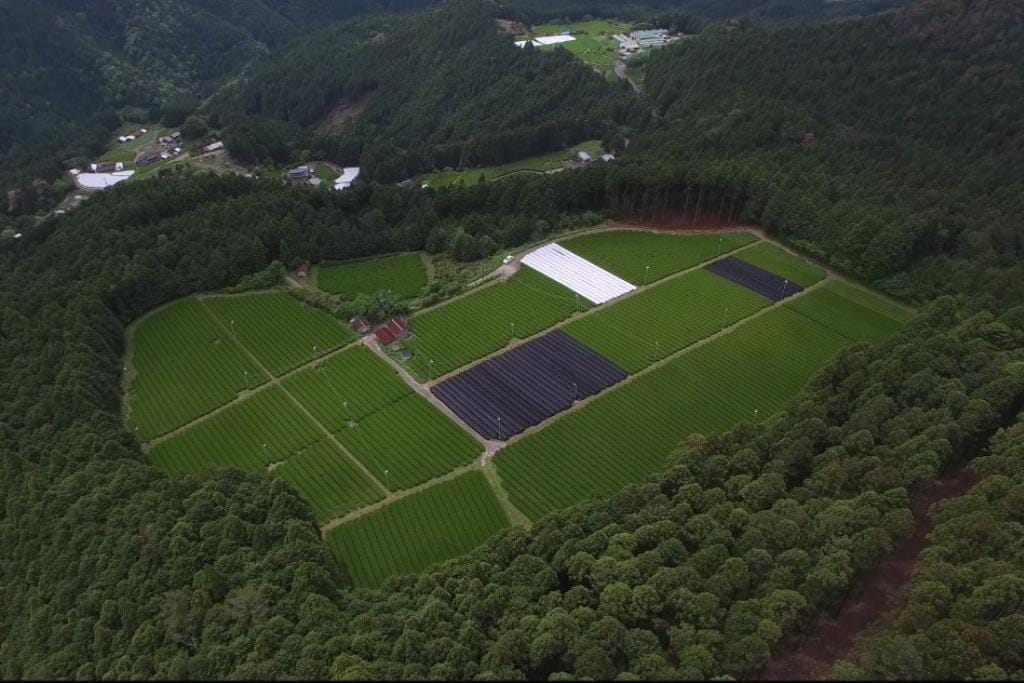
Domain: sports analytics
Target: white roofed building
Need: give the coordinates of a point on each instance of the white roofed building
(347, 177)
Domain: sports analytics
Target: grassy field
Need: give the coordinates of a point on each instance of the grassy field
(628, 253)
(594, 43)
(782, 263)
(645, 327)
(324, 172)
(481, 323)
(411, 440)
(627, 434)
(404, 275)
(329, 480)
(416, 532)
(277, 329)
(854, 313)
(183, 366)
(235, 437)
(537, 164)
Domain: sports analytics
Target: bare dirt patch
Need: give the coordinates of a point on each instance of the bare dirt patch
(833, 638)
(341, 116)
(682, 221)
(514, 27)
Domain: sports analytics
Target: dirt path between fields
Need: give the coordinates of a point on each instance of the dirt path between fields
(834, 638)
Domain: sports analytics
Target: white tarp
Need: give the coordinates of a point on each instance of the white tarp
(98, 181)
(347, 177)
(545, 40)
(577, 273)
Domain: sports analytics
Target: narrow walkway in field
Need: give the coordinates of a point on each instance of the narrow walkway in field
(298, 404)
(513, 513)
(331, 525)
(246, 393)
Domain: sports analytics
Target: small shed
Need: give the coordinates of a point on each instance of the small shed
(391, 331)
(359, 325)
(303, 269)
(584, 157)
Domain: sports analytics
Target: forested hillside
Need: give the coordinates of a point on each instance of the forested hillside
(63, 63)
(441, 88)
(963, 615)
(891, 146)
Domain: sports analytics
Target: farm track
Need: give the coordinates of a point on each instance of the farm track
(328, 527)
(309, 416)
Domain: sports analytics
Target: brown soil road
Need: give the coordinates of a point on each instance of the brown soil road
(833, 638)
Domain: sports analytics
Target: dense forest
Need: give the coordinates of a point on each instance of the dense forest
(889, 146)
(440, 88)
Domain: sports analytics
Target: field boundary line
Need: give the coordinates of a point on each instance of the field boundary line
(394, 496)
(309, 416)
(518, 341)
(665, 361)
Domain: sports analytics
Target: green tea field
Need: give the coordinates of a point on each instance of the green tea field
(645, 257)
(404, 275)
(418, 531)
(487, 320)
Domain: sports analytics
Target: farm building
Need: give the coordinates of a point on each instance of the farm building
(577, 273)
(99, 181)
(212, 147)
(303, 269)
(608, 157)
(300, 173)
(359, 325)
(541, 41)
(106, 167)
(584, 157)
(391, 331)
(652, 38)
(347, 177)
(149, 156)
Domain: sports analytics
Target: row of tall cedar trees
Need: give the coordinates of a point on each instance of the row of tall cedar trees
(114, 569)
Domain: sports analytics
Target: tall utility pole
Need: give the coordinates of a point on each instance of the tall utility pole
(499, 428)
(784, 289)
(647, 270)
(387, 479)
(725, 314)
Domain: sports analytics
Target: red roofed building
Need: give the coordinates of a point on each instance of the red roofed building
(303, 270)
(391, 331)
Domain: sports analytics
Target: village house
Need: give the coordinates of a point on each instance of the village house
(393, 330)
(300, 173)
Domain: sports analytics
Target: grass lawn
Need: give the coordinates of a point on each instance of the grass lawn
(324, 172)
(403, 274)
(538, 164)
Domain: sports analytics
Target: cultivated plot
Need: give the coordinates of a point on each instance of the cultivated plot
(782, 263)
(486, 321)
(278, 330)
(329, 480)
(577, 273)
(853, 313)
(421, 530)
(263, 429)
(645, 257)
(765, 283)
(403, 275)
(628, 433)
(646, 327)
(185, 366)
(408, 443)
(346, 387)
(524, 386)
